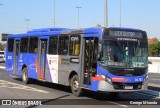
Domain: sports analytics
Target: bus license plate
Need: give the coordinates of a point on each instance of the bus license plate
(128, 87)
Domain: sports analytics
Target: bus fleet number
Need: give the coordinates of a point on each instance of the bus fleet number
(9, 57)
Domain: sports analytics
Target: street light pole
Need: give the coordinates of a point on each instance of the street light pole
(54, 13)
(27, 20)
(78, 15)
(105, 14)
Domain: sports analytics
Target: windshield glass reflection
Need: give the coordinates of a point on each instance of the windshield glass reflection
(124, 54)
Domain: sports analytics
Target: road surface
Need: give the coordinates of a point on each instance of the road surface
(61, 96)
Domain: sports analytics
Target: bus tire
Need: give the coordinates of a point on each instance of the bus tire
(75, 88)
(114, 94)
(25, 78)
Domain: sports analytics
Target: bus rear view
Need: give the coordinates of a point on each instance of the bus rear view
(123, 60)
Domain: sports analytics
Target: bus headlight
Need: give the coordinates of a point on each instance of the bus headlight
(106, 78)
(103, 76)
(109, 80)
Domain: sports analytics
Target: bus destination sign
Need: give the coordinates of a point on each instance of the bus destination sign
(130, 34)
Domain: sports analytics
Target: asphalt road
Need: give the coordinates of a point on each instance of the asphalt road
(61, 96)
(154, 78)
(154, 81)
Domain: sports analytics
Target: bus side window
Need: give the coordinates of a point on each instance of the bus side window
(53, 45)
(35, 50)
(63, 45)
(43, 47)
(24, 45)
(74, 45)
(33, 44)
(10, 44)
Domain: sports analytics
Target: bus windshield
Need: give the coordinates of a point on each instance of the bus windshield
(124, 54)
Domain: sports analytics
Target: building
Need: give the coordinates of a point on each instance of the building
(152, 40)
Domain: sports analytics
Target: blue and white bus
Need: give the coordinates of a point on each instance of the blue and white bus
(113, 60)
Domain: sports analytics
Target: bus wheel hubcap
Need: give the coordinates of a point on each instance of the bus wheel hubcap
(24, 76)
(75, 85)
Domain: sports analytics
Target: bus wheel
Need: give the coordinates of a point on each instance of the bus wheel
(114, 93)
(25, 78)
(76, 90)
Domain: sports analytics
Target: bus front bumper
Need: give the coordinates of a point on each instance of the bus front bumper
(105, 86)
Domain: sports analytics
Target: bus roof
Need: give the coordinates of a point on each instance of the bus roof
(57, 31)
(47, 30)
(98, 31)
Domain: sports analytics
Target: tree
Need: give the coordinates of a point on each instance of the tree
(154, 49)
(2, 47)
(98, 25)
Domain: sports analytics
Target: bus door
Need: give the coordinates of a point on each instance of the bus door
(89, 59)
(42, 58)
(16, 56)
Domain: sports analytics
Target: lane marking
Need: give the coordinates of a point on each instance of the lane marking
(13, 76)
(154, 85)
(8, 84)
(155, 79)
(118, 104)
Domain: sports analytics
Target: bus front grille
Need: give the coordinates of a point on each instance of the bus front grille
(123, 85)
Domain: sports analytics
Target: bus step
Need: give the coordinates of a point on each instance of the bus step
(42, 80)
(86, 88)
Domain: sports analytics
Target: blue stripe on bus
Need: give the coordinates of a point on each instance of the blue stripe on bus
(31, 61)
(131, 79)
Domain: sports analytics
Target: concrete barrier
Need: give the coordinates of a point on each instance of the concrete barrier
(155, 66)
(154, 59)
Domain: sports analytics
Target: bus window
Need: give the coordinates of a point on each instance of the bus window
(53, 44)
(74, 45)
(17, 47)
(63, 45)
(10, 45)
(33, 45)
(43, 47)
(24, 45)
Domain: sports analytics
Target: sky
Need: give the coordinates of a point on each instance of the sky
(141, 14)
